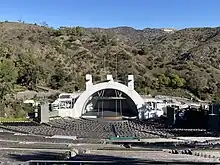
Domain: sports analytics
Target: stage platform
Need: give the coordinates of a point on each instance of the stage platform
(108, 115)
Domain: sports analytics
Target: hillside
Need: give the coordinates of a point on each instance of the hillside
(185, 61)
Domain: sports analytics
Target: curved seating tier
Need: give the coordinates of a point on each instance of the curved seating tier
(96, 128)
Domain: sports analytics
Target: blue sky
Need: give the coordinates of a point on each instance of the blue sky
(111, 13)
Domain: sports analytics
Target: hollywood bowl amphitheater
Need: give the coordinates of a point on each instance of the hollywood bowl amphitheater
(110, 122)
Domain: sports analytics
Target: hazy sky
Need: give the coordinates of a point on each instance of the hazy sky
(110, 13)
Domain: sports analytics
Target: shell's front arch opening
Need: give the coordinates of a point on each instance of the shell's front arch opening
(109, 103)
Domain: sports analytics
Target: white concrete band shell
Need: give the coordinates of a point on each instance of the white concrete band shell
(83, 98)
(125, 96)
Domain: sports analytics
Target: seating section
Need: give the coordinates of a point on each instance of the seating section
(190, 132)
(32, 128)
(99, 128)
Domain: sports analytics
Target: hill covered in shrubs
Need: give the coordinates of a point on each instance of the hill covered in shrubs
(182, 63)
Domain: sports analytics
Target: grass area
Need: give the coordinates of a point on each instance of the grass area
(2, 119)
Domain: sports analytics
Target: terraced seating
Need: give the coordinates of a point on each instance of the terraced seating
(189, 132)
(84, 128)
(32, 128)
(101, 129)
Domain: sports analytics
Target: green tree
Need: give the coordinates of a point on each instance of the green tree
(78, 31)
(196, 84)
(104, 40)
(176, 81)
(164, 80)
(8, 76)
(57, 79)
(28, 70)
